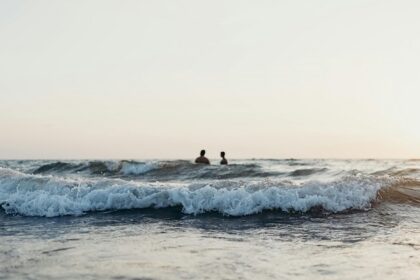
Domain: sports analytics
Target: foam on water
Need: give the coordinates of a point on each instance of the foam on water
(136, 168)
(49, 196)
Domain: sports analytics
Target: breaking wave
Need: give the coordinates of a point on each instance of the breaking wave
(49, 196)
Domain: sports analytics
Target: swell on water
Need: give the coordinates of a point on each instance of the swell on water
(124, 167)
(49, 196)
(159, 170)
(404, 191)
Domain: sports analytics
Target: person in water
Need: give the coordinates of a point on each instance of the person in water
(202, 158)
(223, 161)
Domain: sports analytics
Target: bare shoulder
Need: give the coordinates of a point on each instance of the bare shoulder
(202, 160)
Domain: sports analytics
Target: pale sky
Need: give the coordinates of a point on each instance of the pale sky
(163, 79)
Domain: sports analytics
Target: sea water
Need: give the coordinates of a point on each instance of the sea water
(252, 219)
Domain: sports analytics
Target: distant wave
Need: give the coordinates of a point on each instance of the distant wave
(307, 172)
(50, 196)
(159, 170)
(405, 172)
(186, 170)
(397, 172)
(96, 167)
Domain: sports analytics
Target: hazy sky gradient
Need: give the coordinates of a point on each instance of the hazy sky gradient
(163, 79)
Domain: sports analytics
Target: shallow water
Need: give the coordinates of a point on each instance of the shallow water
(265, 219)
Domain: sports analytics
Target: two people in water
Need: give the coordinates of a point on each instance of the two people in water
(202, 159)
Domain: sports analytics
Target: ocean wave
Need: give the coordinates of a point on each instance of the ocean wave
(56, 167)
(406, 172)
(307, 172)
(156, 170)
(125, 167)
(49, 196)
(394, 171)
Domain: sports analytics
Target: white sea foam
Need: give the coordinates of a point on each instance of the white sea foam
(129, 168)
(36, 195)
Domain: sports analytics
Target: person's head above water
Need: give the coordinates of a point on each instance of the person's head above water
(202, 158)
(224, 161)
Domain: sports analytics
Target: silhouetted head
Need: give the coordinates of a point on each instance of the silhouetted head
(222, 154)
(202, 153)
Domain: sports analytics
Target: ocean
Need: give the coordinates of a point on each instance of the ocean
(172, 219)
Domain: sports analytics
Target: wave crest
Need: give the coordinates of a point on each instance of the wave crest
(39, 195)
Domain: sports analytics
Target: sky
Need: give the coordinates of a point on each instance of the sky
(164, 79)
